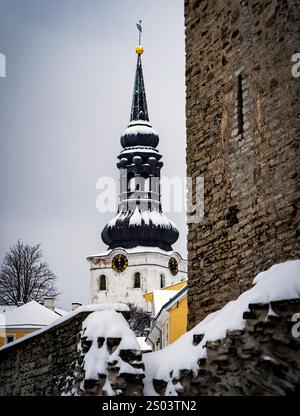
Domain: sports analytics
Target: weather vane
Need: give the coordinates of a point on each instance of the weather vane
(139, 49)
(140, 29)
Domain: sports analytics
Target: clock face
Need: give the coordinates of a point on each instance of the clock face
(119, 263)
(173, 266)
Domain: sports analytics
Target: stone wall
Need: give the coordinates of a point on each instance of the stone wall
(262, 359)
(37, 366)
(243, 117)
(51, 364)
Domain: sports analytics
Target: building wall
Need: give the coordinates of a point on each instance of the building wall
(38, 365)
(242, 110)
(120, 285)
(176, 286)
(17, 333)
(50, 363)
(171, 320)
(178, 320)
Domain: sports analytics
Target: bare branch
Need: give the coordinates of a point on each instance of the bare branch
(24, 276)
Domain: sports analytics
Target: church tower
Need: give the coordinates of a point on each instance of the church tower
(140, 257)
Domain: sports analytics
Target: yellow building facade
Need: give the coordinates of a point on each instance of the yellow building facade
(18, 321)
(169, 314)
(12, 334)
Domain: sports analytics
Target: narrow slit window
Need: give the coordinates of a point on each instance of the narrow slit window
(240, 105)
(102, 282)
(137, 280)
(162, 281)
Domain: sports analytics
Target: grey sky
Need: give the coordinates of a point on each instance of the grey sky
(63, 106)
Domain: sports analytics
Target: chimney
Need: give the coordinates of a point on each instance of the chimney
(49, 303)
(75, 305)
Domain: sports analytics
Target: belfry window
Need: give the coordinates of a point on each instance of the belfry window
(102, 282)
(137, 280)
(162, 281)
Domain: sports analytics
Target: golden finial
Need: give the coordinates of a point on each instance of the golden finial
(139, 49)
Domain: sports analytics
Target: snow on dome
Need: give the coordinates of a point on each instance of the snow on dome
(139, 149)
(156, 218)
(113, 221)
(136, 218)
(135, 250)
(145, 217)
(140, 129)
(139, 133)
(160, 219)
(280, 282)
(140, 122)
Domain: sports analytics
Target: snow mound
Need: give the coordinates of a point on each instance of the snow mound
(103, 325)
(280, 282)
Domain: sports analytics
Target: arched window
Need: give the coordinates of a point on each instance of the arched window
(137, 280)
(102, 282)
(162, 281)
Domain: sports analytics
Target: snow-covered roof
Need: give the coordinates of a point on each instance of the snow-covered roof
(29, 315)
(138, 249)
(280, 282)
(143, 344)
(6, 308)
(119, 307)
(60, 312)
(181, 293)
(160, 298)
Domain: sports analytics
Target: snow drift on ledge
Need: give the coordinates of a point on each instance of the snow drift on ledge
(280, 282)
(104, 324)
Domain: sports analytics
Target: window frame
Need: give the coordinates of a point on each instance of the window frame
(134, 280)
(162, 281)
(101, 281)
(10, 335)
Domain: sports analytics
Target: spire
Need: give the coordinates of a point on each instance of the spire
(140, 220)
(139, 110)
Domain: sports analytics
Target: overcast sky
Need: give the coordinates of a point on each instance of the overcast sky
(63, 106)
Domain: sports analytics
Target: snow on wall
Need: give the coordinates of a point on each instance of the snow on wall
(82, 309)
(109, 354)
(105, 336)
(280, 282)
(106, 324)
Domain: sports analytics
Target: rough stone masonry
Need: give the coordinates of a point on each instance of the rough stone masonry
(261, 359)
(243, 118)
(50, 363)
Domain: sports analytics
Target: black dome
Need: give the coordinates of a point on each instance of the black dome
(140, 228)
(139, 133)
